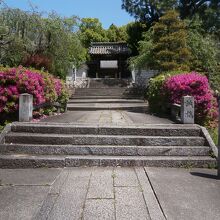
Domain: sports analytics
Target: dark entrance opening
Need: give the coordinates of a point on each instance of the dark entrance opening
(108, 60)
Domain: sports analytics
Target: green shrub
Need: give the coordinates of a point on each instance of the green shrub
(156, 97)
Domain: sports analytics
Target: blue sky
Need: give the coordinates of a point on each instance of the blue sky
(108, 11)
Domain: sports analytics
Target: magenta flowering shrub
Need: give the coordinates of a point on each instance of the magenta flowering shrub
(196, 85)
(43, 86)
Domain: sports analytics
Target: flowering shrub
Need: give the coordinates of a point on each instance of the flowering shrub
(43, 86)
(156, 97)
(195, 85)
(169, 88)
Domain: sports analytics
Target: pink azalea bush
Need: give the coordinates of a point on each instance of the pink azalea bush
(43, 86)
(196, 85)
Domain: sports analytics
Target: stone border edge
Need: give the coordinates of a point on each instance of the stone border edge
(6, 130)
(209, 140)
(153, 206)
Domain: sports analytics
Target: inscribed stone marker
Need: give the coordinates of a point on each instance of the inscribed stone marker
(187, 110)
(25, 107)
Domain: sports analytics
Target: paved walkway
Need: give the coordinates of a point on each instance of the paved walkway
(109, 193)
(107, 117)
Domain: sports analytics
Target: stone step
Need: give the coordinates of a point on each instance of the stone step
(33, 161)
(151, 161)
(101, 89)
(106, 101)
(104, 97)
(108, 83)
(104, 150)
(64, 139)
(16, 161)
(136, 107)
(145, 130)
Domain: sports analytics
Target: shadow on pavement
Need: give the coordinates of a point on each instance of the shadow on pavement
(204, 175)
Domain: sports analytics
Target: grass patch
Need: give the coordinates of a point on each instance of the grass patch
(214, 135)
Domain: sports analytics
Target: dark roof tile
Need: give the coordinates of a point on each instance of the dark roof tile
(109, 48)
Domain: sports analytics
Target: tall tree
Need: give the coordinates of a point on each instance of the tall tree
(165, 45)
(170, 43)
(135, 32)
(91, 30)
(116, 34)
(29, 38)
(147, 11)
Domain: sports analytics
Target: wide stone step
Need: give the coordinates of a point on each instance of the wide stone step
(104, 97)
(99, 92)
(108, 83)
(142, 107)
(35, 138)
(75, 101)
(33, 161)
(105, 150)
(16, 161)
(146, 130)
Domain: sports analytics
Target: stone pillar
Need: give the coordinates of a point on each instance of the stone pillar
(187, 110)
(25, 107)
(133, 74)
(219, 136)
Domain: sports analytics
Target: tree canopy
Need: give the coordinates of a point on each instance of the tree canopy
(149, 11)
(28, 38)
(165, 45)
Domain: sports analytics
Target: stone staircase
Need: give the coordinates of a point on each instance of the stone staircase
(107, 94)
(58, 145)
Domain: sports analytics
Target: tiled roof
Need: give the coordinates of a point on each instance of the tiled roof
(108, 48)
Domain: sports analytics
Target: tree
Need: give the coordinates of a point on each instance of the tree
(29, 38)
(205, 52)
(165, 45)
(116, 34)
(91, 31)
(170, 43)
(135, 32)
(149, 11)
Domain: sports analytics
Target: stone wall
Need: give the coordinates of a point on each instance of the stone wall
(142, 77)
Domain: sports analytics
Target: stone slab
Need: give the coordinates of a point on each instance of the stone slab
(42, 176)
(125, 177)
(101, 209)
(146, 118)
(101, 184)
(155, 211)
(187, 194)
(21, 202)
(52, 196)
(71, 200)
(130, 204)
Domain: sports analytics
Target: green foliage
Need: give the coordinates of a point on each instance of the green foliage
(135, 32)
(214, 134)
(205, 52)
(117, 34)
(169, 43)
(91, 31)
(144, 59)
(147, 11)
(165, 45)
(157, 99)
(27, 34)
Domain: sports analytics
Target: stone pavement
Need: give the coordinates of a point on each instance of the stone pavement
(107, 117)
(109, 193)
